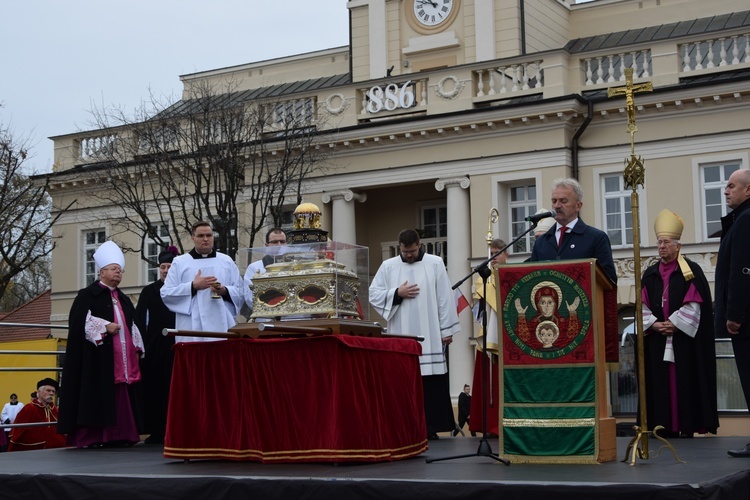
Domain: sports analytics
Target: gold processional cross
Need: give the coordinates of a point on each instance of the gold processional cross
(634, 175)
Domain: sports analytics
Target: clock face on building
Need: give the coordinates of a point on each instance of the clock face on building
(431, 16)
(432, 13)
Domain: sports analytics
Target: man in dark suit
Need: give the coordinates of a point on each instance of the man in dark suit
(732, 285)
(152, 317)
(571, 238)
(464, 410)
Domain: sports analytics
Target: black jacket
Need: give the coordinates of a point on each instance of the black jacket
(582, 242)
(732, 278)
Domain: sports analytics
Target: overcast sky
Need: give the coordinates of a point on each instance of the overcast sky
(60, 59)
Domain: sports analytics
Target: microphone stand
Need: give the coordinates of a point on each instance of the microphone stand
(483, 270)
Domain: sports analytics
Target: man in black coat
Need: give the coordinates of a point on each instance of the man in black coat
(99, 398)
(732, 285)
(152, 316)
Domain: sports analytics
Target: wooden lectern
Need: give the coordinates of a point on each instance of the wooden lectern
(553, 388)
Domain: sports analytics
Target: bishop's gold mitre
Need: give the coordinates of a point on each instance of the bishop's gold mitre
(668, 225)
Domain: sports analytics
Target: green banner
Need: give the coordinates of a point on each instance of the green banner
(549, 441)
(549, 385)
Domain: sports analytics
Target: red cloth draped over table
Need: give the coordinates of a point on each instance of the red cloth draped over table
(318, 399)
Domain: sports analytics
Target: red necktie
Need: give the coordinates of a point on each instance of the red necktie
(562, 235)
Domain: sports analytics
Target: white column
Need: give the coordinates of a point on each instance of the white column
(484, 23)
(378, 24)
(343, 224)
(459, 251)
(377, 27)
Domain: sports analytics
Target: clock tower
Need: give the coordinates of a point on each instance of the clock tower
(430, 16)
(415, 35)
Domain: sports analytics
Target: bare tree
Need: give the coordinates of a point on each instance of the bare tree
(27, 284)
(201, 158)
(26, 216)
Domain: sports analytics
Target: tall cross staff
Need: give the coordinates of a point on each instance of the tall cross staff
(634, 175)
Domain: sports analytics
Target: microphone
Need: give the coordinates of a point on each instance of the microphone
(537, 217)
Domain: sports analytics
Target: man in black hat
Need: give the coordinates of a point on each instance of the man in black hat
(41, 409)
(152, 316)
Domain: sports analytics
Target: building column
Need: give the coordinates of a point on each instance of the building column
(484, 24)
(343, 224)
(461, 362)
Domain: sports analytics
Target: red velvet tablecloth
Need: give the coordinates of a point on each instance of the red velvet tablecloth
(319, 399)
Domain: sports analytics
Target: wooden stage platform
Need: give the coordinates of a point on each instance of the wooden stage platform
(143, 473)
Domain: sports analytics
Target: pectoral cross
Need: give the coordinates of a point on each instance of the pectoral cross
(664, 296)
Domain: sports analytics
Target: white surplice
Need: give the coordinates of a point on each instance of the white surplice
(431, 314)
(200, 311)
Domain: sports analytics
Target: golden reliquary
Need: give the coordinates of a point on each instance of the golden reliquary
(317, 287)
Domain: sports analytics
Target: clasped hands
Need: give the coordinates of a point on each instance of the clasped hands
(664, 327)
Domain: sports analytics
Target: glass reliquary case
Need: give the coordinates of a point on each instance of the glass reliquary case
(310, 280)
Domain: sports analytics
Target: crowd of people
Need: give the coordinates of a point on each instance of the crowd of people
(112, 393)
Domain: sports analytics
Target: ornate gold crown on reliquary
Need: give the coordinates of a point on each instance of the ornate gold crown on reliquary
(307, 225)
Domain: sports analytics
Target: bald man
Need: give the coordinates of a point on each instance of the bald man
(732, 277)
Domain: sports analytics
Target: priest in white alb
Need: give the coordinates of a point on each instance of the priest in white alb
(413, 294)
(204, 287)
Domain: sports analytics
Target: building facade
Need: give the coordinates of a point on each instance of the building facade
(437, 113)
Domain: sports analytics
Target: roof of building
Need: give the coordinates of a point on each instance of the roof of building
(190, 106)
(660, 32)
(36, 311)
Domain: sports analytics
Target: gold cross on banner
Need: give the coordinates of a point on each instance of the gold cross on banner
(629, 89)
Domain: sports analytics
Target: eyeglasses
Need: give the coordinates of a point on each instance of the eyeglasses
(114, 269)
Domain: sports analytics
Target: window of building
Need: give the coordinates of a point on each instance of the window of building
(522, 203)
(285, 216)
(714, 177)
(91, 241)
(618, 216)
(153, 250)
(434, 226)
(435, 221)
(623, 382)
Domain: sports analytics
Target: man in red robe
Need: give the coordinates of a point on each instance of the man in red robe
(41, 409)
